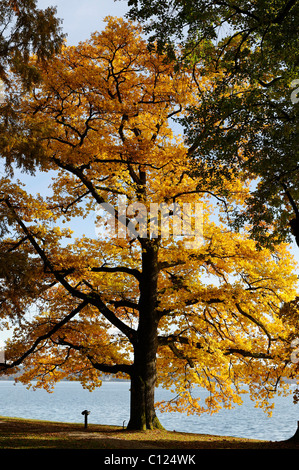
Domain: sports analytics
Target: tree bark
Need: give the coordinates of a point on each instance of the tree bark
(143, 377)
(295, 437)
(142, 407)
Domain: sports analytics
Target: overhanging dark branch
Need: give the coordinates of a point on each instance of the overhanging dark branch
(118, 269)
(92, 298)
(106, 368)
(52, 331)
(172, 340)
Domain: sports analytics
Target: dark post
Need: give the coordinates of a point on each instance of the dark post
(85, 413)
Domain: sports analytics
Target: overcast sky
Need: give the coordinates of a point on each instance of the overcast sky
(81, 18)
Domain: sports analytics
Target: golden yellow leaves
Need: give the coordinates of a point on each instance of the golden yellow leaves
(107, 109)
(222, 311)
(110, 99)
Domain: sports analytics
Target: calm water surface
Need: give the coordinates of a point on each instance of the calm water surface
(110, 405)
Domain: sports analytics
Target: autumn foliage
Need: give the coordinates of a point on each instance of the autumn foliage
(155, 310)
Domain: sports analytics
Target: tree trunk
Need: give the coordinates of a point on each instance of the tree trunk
(295, 437)
(142, 406)
(143, 377)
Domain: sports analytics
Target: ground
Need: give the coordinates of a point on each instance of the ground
(33, 434)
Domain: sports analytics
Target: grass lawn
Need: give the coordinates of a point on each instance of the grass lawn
(18, 433)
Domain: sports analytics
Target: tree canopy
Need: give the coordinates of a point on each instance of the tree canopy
(178, 309)
(269, 26)
(256, 42)
(26, 30)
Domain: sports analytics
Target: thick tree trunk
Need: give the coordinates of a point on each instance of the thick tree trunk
(142, 407)
(295, 437)
(143, 377)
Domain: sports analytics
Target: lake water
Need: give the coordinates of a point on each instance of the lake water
(110, 405)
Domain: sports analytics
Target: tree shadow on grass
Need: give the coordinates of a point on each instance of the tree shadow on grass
(33, 434)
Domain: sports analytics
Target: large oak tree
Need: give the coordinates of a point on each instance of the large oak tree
(156, 309)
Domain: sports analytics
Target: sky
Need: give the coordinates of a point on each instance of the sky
(80, 18)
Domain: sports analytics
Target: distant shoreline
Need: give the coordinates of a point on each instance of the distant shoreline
(12, 379)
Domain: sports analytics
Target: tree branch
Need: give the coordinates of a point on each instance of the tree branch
(171, 340)
(283, 13)
(239, 10)
(92, 298)
(110, 369)
(125, 303)
(291, 200)
(4, 366)
(119, 269)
